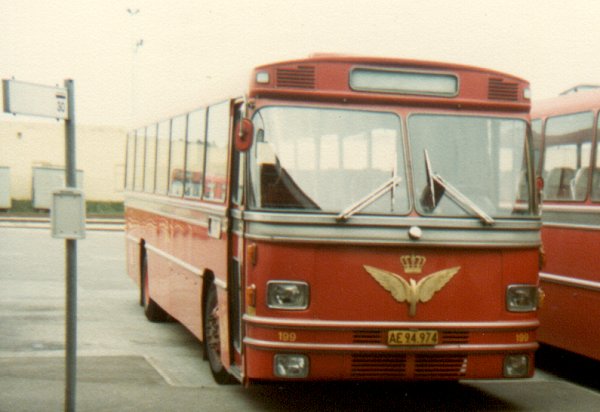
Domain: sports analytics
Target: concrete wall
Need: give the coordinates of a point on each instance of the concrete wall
(100, 154)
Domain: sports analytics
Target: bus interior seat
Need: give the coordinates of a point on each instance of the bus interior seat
(580, 183)
(558, 184)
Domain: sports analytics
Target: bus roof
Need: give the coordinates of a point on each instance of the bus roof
(391, 62)
(568, 103)
(330, 77)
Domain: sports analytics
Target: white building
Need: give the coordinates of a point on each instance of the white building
(29, 145)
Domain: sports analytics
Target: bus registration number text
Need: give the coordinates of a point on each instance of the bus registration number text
(412, 337)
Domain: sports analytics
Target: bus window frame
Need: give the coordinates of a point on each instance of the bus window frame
(174, 159)
(532, 204)
(202, 142)
(224, 167)
(159, 188)
(150, 163)
(591, 141)
(594, 184)
(398, 113)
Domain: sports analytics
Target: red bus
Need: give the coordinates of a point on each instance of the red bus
(350, 219)
(565, 131)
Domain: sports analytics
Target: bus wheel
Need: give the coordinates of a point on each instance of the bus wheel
(212, 338)
(153, 312)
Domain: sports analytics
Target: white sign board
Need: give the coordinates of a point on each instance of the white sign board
(35, 99)
(67, 215)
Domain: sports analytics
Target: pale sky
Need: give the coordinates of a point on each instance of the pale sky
(197, 52)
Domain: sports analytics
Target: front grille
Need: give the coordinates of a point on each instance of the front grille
(498, 89)
(440, 366)
(408, 366)
(382, 366)
(301, 77)
(454, 337)
(367, 336)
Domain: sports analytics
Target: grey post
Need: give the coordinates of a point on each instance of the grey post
(71, 259)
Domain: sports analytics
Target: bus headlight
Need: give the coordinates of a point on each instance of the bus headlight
(290, 366)
(288, 295)
(516, 366)
(521, 298)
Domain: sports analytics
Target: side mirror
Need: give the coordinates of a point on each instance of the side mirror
(244, 134)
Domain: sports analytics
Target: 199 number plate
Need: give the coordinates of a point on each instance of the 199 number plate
(412, 337)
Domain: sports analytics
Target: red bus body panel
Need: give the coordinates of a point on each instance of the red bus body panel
(570, 313)
(345, 327)
(570, 278)
(168, 240)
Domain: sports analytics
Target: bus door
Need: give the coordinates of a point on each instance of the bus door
(237, 247)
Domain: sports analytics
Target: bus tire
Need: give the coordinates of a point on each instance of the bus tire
(153, 312)
(143, 269)
(212, 338)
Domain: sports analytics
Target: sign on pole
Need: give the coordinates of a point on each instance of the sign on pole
(35, 99)
(68, 211)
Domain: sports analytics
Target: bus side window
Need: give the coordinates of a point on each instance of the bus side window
(150, 166)
(217, 145)
(596, 172)
(162, 157)
(237, 172)
(568, 144)
(177, 155)
(194, 167)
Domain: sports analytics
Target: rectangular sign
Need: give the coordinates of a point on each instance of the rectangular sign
(67, 215)
(35, 99)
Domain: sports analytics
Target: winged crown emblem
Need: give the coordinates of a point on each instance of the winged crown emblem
(411, 291)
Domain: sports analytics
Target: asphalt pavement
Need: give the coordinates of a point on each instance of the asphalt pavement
(126, 363)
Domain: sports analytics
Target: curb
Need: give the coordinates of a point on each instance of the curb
(92, 224)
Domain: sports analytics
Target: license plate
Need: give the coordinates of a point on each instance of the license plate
(412, 337)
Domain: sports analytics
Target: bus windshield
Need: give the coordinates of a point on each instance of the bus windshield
(327, 160)
(350, 161)
(466, 165)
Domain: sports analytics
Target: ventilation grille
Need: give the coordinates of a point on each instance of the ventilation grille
(440, 366)
(378, 337)
(399, 366)
(501, 90)
(454, 337)
(382, 366)
(302, 77)
(367, 336)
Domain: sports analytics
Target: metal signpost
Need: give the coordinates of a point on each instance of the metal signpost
(68, 207)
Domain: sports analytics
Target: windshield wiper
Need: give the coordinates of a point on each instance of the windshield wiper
(431, 195)
(368, 199)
